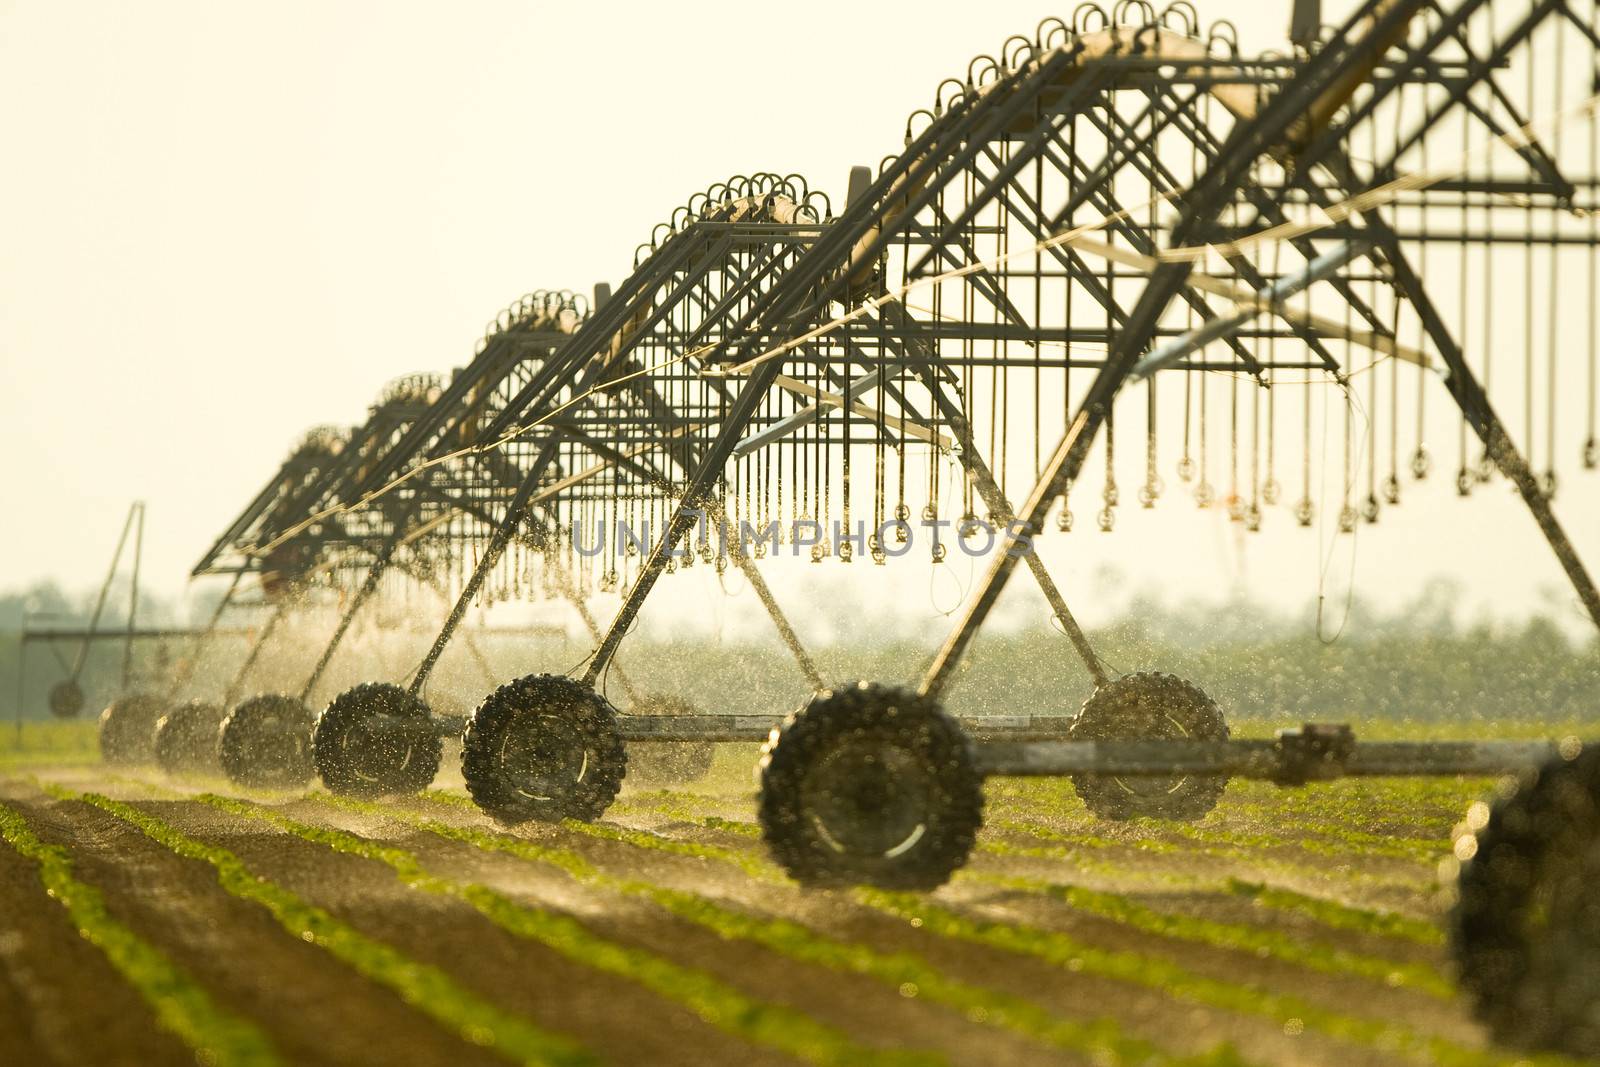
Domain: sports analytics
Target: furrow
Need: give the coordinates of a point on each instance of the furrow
(1100, 1039)
(181, 1006)
(1333, 914)
(1137, 969)
(1173, 980)
(716, 1002)
(424, 988)
(1260, 941)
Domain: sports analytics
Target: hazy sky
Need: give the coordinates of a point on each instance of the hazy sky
(223, 223)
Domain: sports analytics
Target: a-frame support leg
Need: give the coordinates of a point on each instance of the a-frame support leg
(235, 686)
(763, 592)
(476, 652)
(516, 511)
(696, 491)
(368, 587)
(570, 590)
(1064, 463)
(181, 678)
(896, 319)
(1000, 509)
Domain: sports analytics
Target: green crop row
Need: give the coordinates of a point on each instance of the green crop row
(690, 808)
(181, 1006)
(1083, 859)
(1259, 941)
(1101, 1040)
(1421, 881)
(1340, 916)
(694, 808)
(1336, 846)
(1168, 977)
(425, 988)
(1172, 980)
(1044, 800)
(712, 1000)
(1326, 810)
(1121, 909)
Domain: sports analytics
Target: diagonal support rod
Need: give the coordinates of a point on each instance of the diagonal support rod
(786, 631)
(236, 686)
(1474, 404)
(697, 489)
(903, 326)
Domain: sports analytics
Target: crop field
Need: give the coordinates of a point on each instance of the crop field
(696, 664)
(152, 920)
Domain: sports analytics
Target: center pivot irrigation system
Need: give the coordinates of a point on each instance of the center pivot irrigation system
(1118, 216)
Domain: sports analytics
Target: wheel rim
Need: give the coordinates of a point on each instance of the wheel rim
(540, 758)
(378, 747)
(869, 797)
(188, 734)
(281, 744)
(1157, 727)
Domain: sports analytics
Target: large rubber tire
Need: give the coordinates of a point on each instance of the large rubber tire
(128, 728)
(1149, 706)
(1525, 929)
(186, 738)
(266, 743)
(653, 764)
(870, 785)
(543, 747)
(375, 740)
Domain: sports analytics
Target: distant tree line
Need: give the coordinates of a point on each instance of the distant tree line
(1418, 663)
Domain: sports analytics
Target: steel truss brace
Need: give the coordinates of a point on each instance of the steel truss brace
(905, 330)
(471, 639)
(1463, 386)
(1474, 404)
(1272, 298)
(763, 592)
(570, 591)
(902, 424)
(374, 575)
(1304, 324)
(899, 325)
(584, 343)
(1382, 343)
(752, 573)
(697, 490)
(1267, 129)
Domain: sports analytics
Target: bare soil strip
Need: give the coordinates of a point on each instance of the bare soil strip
(427, 990)
(1432, 1032)
(911, 982)
(610, 1014)
(317, 1008)
(1287, 931)
(62, 1002)
(1103, 985)
(721, 1004)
